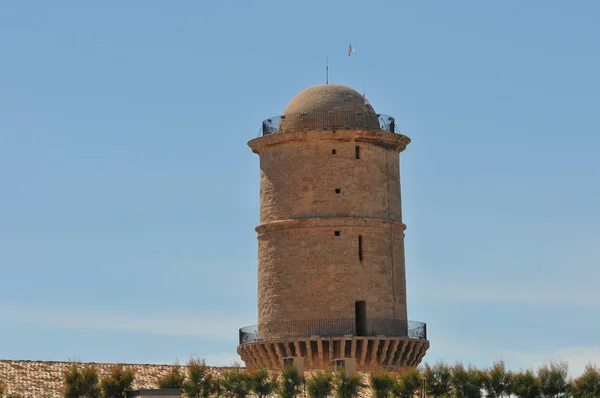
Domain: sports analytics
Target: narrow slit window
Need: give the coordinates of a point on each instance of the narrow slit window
(337, 233)
(357, 151)
(360, 248)
(337, 190)
(333, 152)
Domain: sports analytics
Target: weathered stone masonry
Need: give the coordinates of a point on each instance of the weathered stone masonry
(330, 234)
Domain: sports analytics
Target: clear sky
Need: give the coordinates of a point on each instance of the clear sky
(129, 196)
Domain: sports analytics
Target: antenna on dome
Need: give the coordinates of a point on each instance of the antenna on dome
(326, 69)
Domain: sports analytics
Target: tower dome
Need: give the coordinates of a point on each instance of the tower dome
(328, 97)
(328, 106)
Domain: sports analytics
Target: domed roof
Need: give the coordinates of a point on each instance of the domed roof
(328, 106)
(328, 97)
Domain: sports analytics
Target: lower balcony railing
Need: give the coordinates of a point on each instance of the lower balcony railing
(325, 328)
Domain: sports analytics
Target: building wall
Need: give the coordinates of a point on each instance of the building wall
(305, 271)
(298, 179)
(309, 273)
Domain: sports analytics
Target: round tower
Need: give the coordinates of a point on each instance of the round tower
(331, 271)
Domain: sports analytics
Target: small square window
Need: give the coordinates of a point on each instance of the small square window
(337, 190)
(337, 233)
(333, 152)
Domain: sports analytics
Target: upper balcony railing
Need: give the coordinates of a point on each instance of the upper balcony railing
(326, 328)
(331, 120)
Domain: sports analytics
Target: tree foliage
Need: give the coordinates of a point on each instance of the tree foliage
(466, 382)
(553, 379)
(117, 382)
(347, 386)
(291, 383)
(525, 385)
(81, 383)
(497, 381)
(261, 383)
(437, 379)
(200, 382)
(172, 379)
(382, 384)
(407, 384)
(320, 385)
(236, 383)
(588, 384)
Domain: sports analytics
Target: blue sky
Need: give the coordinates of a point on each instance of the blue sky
(129, 197)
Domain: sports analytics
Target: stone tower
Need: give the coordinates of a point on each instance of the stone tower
(331, 272)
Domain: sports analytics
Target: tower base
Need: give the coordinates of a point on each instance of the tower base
(392, 353)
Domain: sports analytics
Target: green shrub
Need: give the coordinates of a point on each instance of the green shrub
(235, 383)
(117, 382)
(466, 382)
(497, 381)
(407, 384)
(347, 386)
(588, 384)
(261, 384)
(173, 379)
(437, 379)
(200, 382)
(320, 385)
(291, 383)
(381, 383)
(553, 380)
(81, 383)
(525, 385)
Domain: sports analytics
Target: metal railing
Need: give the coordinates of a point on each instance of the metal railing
(326, 328)
(323, 120)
